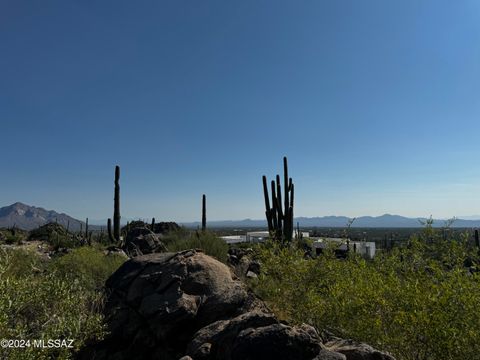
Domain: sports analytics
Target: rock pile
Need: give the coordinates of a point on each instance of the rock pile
(166, 227)
(141, 240)
(188, 305)
(244, 266)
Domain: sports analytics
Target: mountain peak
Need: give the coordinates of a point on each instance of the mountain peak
(18, 205)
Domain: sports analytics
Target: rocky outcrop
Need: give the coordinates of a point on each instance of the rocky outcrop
(188, 305)
(166, 227)
(141, 241)
(242, 263)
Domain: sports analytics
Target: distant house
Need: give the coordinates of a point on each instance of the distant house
(342, 246)
(234, 239)
(261, 236)
(255, 237)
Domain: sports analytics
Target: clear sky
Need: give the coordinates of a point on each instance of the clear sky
(375, 103)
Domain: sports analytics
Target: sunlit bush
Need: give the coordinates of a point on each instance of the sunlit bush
(88, 265)
(207, 241)
(418, 302)
(58, 299)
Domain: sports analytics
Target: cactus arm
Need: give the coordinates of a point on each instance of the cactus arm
(267, 204)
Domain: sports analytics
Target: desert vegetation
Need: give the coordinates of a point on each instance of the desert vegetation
(56, 299)
(419, 300)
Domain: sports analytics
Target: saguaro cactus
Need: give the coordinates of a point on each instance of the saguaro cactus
(109, 229)
(477, 242)
(153, 225)
(280, 220)
(204, 212)
(116, 210)
(86, 229)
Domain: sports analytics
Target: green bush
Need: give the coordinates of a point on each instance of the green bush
(419, 302)
(56, 235)
(61, 299)
(88, 265)
(207, 241)
(19, 263)
(12, 235)
(47, 307)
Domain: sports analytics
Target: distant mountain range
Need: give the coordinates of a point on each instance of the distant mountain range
(383, 221)
(30, 217)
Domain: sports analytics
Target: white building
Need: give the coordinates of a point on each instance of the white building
(261, 236)
(257, 236)
(234, 239)
(254, 237)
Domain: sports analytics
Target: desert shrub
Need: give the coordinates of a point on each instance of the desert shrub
(56, 235)
(88, 265)
(12, 235)
(58, 300)
(19, 263)
(418, 302)
(58, 240)
(207, 241)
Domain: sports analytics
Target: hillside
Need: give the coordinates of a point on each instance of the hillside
(30, 217)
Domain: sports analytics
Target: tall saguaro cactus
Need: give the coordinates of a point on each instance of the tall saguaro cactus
(477, 241)
(280, 220)
(204, 212)
(116, 210)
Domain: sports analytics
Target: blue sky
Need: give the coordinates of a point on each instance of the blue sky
(375, 103)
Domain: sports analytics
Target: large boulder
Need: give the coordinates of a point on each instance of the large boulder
(219, 336)
(158, 301)
(189, 305)
(258, 335)
(277, 341)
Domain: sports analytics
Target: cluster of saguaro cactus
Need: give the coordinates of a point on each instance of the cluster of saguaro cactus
(204, 212)
(115, 237)
(280, 221)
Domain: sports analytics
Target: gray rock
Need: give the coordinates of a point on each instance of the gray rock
(356, 351)
(277, 341)
(141, 240)
(158, 301)
(220, 335)
(329, 355)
